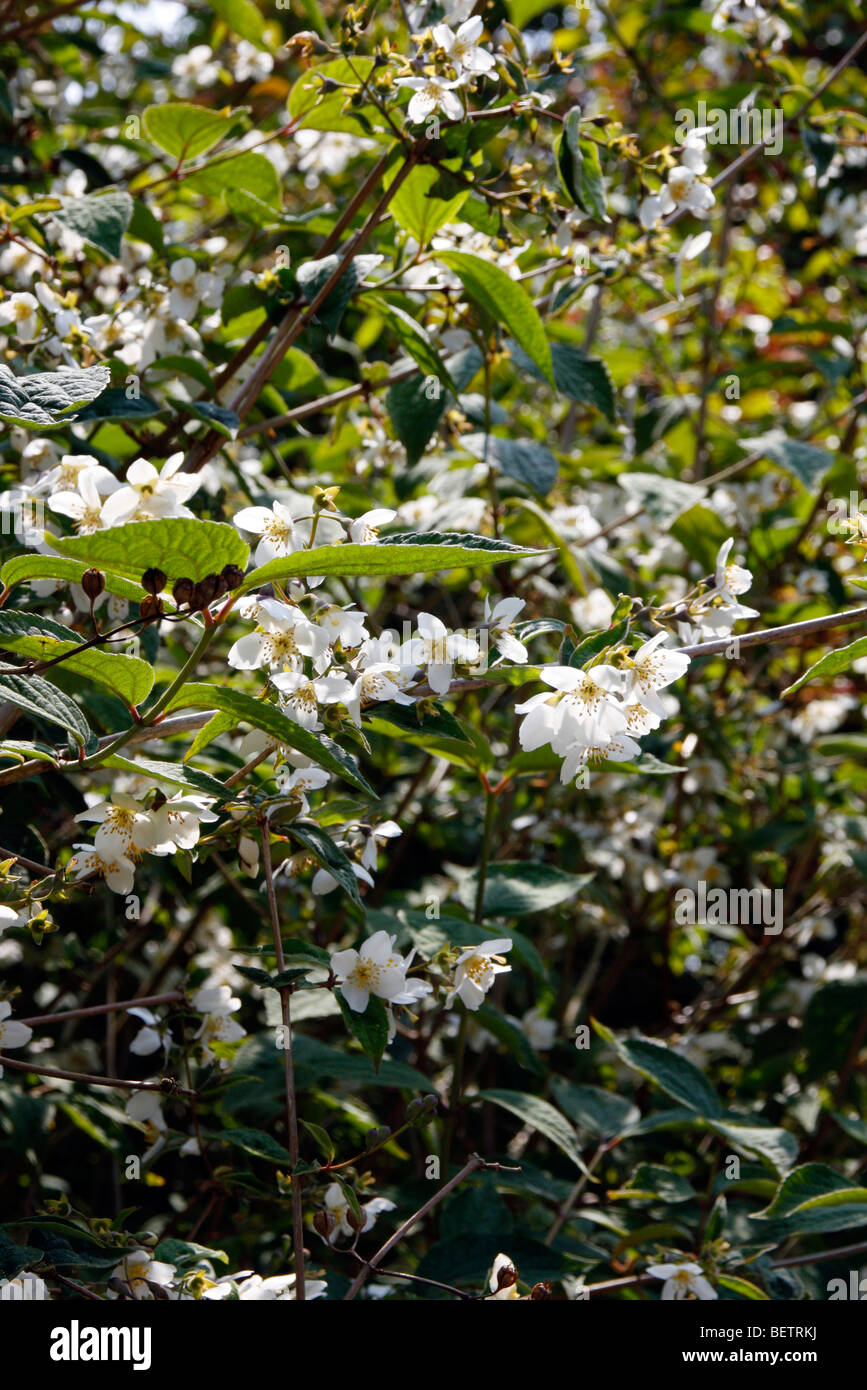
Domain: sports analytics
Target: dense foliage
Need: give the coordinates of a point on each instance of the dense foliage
(432, 763)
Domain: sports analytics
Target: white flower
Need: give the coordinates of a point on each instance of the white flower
(373, 685)
(324, 882)
(618, 749)
(302, 697)
(652, 668)
(197, 67)
(275, 525)
(146, 1108)
(681, 1280)
(284, 637)
(138, 1269)
(375, 969)
(339, 1210)
(582, 710)
(126, 829)
(365, 530)
(178, 821)
(462, 47)
(148, 1039)
(500, 619)
(251, 63)
(541, 1031)
(115, 868)
(84, 506)
(438, 649)
(216, 1004)
(387, 830)
(731, 580)
(150, 493)
(8, 918)
(22, 310)
(477, 968)
(432, 94)
(12, 1034)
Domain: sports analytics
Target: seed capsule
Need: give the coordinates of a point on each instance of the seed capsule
(182, 592)
(154, 581)
(150, 607)
(233, 576)
(93, 583)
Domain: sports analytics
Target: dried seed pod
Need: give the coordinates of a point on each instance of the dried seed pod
(93, 583)
(205, 591)
(233, 576)
(182, 592)
(507, 1275)
(153, 580)
(538, 1291)
(150, 607)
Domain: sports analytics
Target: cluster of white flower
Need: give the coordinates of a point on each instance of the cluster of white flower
(453, 59)
(713, 613)
(128, 830)
(740, 22)
(685, 190)
(845, 216)
(597, 713)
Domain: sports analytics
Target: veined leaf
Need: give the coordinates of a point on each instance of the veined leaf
(44, 400)
(410, 553)
(831, 664)
(39, 697)
(542, 1116)
(23, 567)
(182, 547)
(185, 130)
(506, 302)
(42, 639)
(248, 710)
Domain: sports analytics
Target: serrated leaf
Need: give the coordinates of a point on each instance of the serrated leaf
(506, 302)
(514, 888)
(23, 567)
(246, 173)
(100, 218)
(190, 778)
(185, 130)
(809, 1186)
(44, 400)
(39, 697)
(42, 639)
(580, 170)
(530, 463)
(247, 709)
(416, 210)
(412, 552)
(330, 856)
(114, 404)
(675, 1075)
(182, 547)
(664, 499)
(807, 462)
(257, 1143)
(542, 1116)
(831, 664)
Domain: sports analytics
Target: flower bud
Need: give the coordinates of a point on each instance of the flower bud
(323, 1223)
(153, 580)
(538, 1291)
(93, 583)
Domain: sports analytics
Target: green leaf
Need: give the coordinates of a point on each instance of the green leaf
(39, 697)
(370, 1028)
(185, 1252)
(23, 567)
(190, 778)
(511, 1036)
(580, 170)
(410, 719)
(831, 664)
(603, 1114)
(182, 547)
(321, 110)
(415, 407)
(100, 218)
(413, 207)
(807, 462)
(114, 404)
(672, 1073)
(414, 339)
(248, 710)
(664, 499)
(42, 639)
(330, 856)
(248, 173)
(506, 302)
(654, 1180)
(185, 130)
(243, 18)
(412, 552)
(257, 1143)
(514, 888)
(530, 463)
(15, 1258)
(219, 417)
(810, 1186)
(742, 1287)
(584, 379)
(144, 227)
(531, 1110)
(313, 275)
(44, 400)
